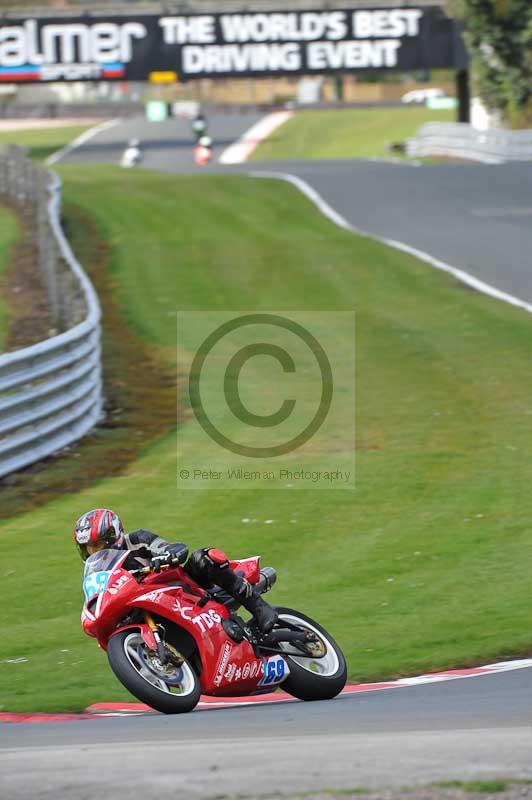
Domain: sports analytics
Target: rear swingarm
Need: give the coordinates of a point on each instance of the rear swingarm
(267, 644)
(263, 644)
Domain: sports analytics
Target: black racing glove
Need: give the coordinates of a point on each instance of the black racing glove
(175, 554)
(178, 552)
(162, 560)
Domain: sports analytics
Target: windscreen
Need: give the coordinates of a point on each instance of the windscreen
(98, 568)
(104, 560)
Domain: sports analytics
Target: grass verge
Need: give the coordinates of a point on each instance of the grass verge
(10, 233)
(439, 790)
(425, 565)
(345, 133)
(43, 142)
(482, 786)
(23, 302)
(135, 413)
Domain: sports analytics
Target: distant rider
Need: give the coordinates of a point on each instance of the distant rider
(132, 155)
(101, 528)
(199, 126)
(203, 151)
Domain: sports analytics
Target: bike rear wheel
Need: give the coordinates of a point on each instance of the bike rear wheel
(169, 688)
(313, 677)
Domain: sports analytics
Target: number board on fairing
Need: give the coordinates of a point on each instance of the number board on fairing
(95, 583)
(275, 670)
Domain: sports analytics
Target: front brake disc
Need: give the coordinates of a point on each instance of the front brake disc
(171, 672)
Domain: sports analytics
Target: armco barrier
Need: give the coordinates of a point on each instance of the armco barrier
(51, 392)
(460, 140)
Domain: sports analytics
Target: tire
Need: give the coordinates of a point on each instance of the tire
(129, 658)
(313, 679)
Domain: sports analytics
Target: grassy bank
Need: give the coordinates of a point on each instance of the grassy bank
(426, 564)
(9, 234)
(346, 133)
(43, 142)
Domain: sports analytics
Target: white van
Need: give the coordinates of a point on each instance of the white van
(421, 95)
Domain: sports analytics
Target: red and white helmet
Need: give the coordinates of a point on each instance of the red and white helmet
(99, 528)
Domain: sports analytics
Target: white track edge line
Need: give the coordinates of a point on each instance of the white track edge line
(495, 669)
(239, 151)
(81, 139)
(356, 689)
(439, 677)
(338, 219)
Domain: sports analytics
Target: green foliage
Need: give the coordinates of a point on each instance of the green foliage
(499, 38)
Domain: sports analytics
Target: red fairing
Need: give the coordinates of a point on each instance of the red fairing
(202, 155)
(145, 631)
(228, 668)
(248, 567)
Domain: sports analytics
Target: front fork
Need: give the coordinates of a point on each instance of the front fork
(152, 625)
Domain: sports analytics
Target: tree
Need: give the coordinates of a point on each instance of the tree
(499, 38)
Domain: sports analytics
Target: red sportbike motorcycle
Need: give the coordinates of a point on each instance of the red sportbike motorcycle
(169, 641)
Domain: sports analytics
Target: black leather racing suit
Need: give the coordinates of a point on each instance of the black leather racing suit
(145, 545)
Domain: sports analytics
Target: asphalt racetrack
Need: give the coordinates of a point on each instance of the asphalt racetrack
(477, 218)
(461, 729)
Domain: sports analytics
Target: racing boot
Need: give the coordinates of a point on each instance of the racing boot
(214, 565)
(265, 615)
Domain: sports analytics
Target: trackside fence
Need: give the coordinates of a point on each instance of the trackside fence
(50, 392)
(460, 140)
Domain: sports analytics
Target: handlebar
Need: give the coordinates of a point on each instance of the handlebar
(163, 567)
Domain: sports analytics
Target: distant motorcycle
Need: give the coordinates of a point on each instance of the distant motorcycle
(199, 127)
(203, 151)
(132, 155)
(168, 640)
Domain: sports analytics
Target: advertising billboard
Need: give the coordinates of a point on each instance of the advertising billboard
(246, 44)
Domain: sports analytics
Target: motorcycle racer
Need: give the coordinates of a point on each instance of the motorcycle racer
(132, 155)
(203, 151)
(199, 126)
(101, 528)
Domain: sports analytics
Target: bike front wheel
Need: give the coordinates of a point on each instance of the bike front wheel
(170, 688)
